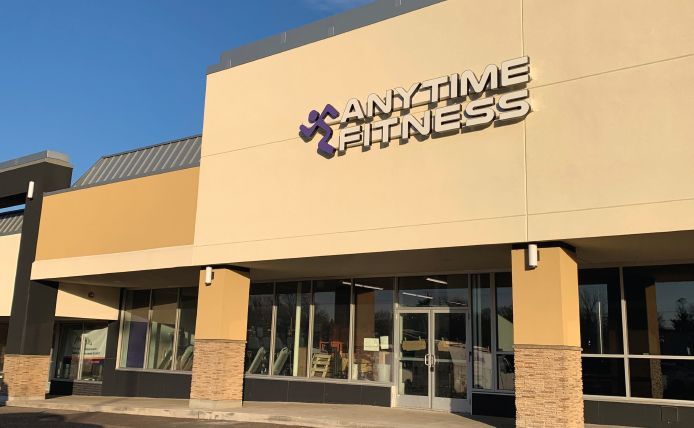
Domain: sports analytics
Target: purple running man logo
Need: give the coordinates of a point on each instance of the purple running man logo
(319, 122)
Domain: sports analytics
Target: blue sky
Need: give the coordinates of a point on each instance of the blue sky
(91, 78)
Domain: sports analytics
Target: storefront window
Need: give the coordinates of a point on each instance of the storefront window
(506, 372)
(135, 321)
(660, 335)
(662, 378)
(259, 329)
(3, 345)
(603, 376)
(291, 331)
(504, 312)
(94, 351)
(373, 329)
(81, 345)
(167, 308)
(433, 290)
(482, 331)
(330, 356)
(163, 326)
(69, 351)
(186, 328)
(660, 309)
(600, 311)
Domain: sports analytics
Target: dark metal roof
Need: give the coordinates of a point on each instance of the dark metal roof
(353, 19)
(46, 154)
(11, 222)
(156, 159)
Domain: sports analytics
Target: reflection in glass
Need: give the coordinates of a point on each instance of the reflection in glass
(504, 312)
(414, 346)
(291, 335)
(373, 329)
(259, 328)
(3, 344)
(481, 331)
(600, 311)
(186, 328)
(94, 351)
(660, 309)
(657, 378)
(134, 336)
(433, 290)
(506, 372)
(330, 355)
(450, 355)
(603, 376)
(68, 355)
(162, 329)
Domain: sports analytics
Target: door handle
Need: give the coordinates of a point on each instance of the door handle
(426, 360)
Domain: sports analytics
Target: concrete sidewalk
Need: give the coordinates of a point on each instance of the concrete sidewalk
(308, 415)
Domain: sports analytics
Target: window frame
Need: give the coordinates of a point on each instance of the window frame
(626, 357)
(121, 321)
(495, 341)
(396, 278)
(56, 345)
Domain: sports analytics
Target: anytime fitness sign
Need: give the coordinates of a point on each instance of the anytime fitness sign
(477, 114)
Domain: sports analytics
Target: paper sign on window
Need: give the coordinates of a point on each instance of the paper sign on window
(370, 344)
(384, 342)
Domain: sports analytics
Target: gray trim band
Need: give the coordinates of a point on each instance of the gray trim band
(46, 154)
(341, 23)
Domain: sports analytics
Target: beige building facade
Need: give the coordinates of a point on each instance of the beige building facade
(477, 207)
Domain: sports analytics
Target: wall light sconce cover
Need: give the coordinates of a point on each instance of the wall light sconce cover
(30, 191)
(208, 275)
(532, 256)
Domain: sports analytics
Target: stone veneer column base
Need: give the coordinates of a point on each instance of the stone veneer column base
(25, 376)
(217, 374)
(549, 386)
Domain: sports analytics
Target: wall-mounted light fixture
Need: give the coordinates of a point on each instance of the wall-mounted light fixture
(532, 256)
(30, 191)
(208, 275)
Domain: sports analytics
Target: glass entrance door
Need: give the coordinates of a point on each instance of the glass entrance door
(433, 359)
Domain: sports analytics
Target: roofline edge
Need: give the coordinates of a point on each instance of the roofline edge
(344, 22)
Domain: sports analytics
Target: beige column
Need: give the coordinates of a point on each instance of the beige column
(549, 385)
(220, 340)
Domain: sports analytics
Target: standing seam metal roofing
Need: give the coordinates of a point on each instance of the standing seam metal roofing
(156, 159)
(11, 222)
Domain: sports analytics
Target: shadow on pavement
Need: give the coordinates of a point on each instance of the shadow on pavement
(22, 419)
(16, 417)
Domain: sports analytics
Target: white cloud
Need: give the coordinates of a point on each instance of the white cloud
(335, 5)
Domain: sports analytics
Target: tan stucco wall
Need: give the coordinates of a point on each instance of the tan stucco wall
(9, 251)
(140, 214)
(223, 306)
(459, 190)
(545, 299)
(74, 302)
(131, 261)
(607, 149)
